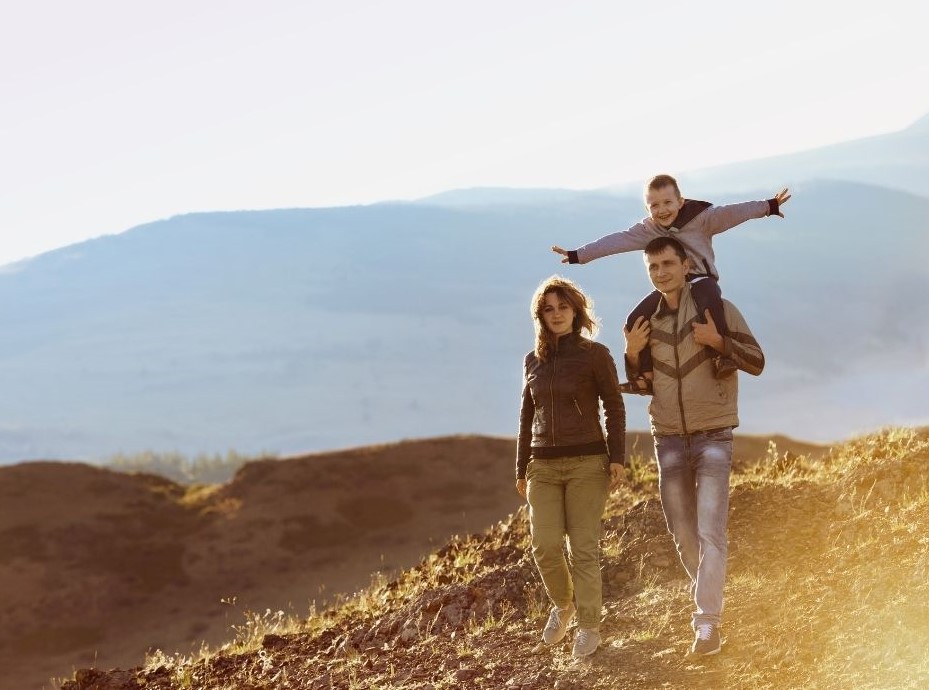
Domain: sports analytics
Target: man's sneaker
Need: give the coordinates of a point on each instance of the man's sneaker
(557, 625)
(706, 641)
(586, 642)
(724, 366)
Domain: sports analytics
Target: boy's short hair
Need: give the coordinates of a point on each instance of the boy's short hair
(659, 244)
(661, 181)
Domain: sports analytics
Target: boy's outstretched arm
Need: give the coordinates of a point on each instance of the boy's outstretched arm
(717, 219)
(630, 240)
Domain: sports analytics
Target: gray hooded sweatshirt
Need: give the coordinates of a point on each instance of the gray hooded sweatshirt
(694, 227)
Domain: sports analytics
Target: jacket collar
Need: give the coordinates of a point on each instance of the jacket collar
(690, 210)
(663, 308)
(570, 340)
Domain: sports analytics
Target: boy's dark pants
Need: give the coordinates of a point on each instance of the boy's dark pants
(706, 294)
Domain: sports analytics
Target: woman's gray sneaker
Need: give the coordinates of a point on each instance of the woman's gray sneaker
(586, 642)
(557, 625)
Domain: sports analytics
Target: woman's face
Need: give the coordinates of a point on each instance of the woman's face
(557, 315)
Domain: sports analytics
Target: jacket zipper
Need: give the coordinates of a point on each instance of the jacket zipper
(551, 390)
(677, 374)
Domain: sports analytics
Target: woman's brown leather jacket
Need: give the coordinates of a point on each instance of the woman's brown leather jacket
(561, 404)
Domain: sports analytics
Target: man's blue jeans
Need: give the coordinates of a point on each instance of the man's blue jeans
(693, 479)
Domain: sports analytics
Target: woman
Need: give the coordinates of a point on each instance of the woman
(564, 465)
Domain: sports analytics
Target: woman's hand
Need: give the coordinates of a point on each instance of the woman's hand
(521, 487)
(617, 475)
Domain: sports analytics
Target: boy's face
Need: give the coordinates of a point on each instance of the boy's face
(663, 205)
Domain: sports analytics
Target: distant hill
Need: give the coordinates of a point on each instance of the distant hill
(898, 160)
(299, 330)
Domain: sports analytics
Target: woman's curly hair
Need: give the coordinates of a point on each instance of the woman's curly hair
(584, 319)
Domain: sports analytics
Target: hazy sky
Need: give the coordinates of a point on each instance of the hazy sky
(119, 112)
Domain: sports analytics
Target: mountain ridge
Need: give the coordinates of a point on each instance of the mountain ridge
(294, 330)
(840, 161)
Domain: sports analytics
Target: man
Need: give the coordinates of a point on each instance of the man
(692, 416)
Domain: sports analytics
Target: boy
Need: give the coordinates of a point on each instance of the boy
(693, 223)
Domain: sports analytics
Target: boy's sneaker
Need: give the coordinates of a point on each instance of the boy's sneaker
(640, 385)
(724, 367)
(586, 642)
(557, 625)
(707, 640)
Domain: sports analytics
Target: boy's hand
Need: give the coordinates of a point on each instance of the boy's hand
(563, 252)
(782, 198)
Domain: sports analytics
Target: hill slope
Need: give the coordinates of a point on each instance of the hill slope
(827, 589)
(129, 548)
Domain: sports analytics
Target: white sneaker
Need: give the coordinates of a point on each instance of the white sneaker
(586, 642)
(557, 625)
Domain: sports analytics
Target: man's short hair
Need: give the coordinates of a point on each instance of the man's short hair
(660, 182)
(659, 244)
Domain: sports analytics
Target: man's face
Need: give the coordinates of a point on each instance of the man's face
(666, 270)
(663, 205)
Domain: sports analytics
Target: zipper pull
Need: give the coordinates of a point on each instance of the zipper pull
(578, 408)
